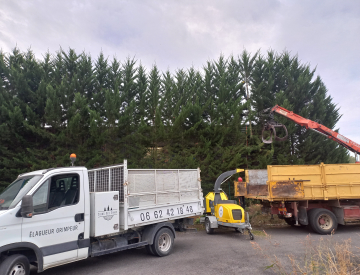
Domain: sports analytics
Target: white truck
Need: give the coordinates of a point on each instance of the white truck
(60, 215)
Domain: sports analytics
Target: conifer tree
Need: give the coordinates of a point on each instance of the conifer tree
(107, 111)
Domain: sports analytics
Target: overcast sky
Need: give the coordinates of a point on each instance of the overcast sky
(180, 34)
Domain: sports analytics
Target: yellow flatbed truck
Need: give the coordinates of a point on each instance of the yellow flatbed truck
(321, 196)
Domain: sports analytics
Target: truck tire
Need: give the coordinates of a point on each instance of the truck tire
(208, 229)
(322, 221)
(149, 250)
(15, 264)
(163, 242)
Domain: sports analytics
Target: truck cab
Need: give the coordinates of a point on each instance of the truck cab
(57, 230)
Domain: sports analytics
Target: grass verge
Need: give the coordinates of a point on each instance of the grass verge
(325, 256)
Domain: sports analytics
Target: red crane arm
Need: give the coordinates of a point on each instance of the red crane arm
(319, 128)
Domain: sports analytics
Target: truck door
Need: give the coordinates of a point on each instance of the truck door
(57, 225)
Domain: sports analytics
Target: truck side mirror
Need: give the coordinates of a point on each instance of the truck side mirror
(27, 207)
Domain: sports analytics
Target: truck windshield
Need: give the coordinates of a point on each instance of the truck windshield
(15, 191)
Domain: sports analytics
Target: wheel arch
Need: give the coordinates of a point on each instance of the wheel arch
(149, 232)
(29, 250)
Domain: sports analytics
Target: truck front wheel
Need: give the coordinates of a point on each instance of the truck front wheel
(163, 242)
(15, 264)
(322, 221)
(149, 249)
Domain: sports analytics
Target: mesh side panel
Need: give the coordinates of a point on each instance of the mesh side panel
(117, 180)
(91, 181)
(168, 198)
(167, 180)
(102, 180)
(190, 195)
(141, 181)
(188, 179)
(157, 181)
(146, 200)
(99, 180)
(237, 214)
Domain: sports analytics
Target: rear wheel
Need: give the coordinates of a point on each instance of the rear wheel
(163, 242)
(15, 265)
(208, 229)
(322, 221)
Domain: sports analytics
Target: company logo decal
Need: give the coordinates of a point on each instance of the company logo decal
(108, 213)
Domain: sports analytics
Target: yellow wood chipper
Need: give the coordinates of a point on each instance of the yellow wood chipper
(222, 212)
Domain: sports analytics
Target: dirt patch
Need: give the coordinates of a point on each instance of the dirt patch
(259, 219)
(198, 227)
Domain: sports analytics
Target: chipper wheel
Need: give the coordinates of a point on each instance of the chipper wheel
(208, 229)
(251, 235)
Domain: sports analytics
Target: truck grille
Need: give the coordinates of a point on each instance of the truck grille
(237, 214)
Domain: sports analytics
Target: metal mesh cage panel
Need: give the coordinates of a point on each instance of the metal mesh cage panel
(107, 179)
(91, 180)
(143, 200)
(168, 198)
(102, 181)
(150, 187)
(167, 180)
(189, 195)
(141, 181)
(117, 181)
(188, 180)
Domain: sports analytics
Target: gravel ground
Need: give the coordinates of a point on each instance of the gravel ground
(225, 252)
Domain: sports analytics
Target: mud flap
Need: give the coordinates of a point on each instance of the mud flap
(303, 218)
(339, 214)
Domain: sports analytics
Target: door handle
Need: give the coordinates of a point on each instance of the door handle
(79, 217)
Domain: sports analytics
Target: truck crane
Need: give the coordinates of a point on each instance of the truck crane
(271, 126)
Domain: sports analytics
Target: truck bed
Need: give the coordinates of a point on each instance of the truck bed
(302, 182)
(149, 196)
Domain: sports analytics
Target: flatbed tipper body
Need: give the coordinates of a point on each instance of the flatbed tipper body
(321, 195)
(55, 216)
(303, 182)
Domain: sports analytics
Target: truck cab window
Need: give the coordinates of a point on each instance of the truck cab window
(40, 198)
(56, 192)
(64, 190)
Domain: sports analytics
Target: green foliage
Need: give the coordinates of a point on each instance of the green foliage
(106, 111)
